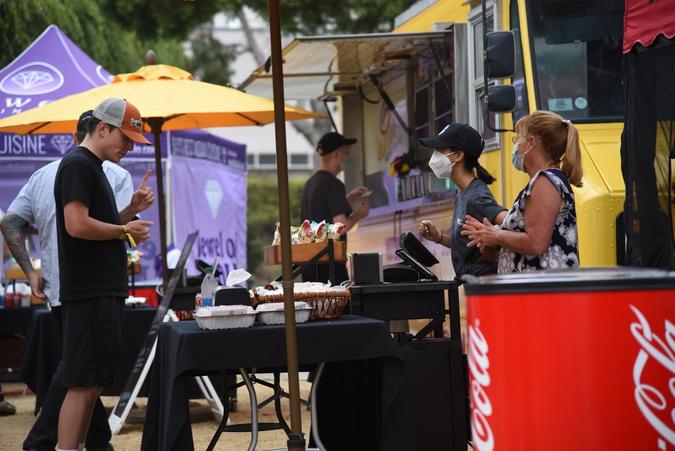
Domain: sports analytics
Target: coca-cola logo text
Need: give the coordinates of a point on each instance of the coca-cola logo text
(481, 407)
(650, 400)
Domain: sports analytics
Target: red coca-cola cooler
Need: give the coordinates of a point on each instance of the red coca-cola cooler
(572, 360)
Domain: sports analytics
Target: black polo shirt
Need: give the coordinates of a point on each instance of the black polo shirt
(323, 198)
(88, 269)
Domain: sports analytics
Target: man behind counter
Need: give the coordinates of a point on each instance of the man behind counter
(324, 199)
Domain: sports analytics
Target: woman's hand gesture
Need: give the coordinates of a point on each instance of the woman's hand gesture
(482, 234)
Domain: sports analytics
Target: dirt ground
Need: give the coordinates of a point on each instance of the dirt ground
(14, 428)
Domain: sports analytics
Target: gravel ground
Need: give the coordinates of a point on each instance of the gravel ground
(14, 428)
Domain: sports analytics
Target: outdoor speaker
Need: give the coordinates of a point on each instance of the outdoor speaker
(366, 268)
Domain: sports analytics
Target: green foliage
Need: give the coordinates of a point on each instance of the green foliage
(172, 19)
(311, 17)
(115, 33)
(262, 216)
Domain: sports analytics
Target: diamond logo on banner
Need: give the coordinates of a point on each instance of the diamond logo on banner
(62, 143)
(214, 196)
(33, 78)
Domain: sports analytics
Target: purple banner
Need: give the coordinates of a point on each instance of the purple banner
(211, 199)
(56, 146)
(205, 146)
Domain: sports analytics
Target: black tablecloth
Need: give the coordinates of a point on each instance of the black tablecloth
(183, 349)
(15, 321)
(14, 324)
(43, 346)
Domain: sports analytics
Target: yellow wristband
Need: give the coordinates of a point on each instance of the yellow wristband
(131, 240)
(127, 236)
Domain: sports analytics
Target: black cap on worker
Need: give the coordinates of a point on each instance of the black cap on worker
(332, 141)
(457, 137)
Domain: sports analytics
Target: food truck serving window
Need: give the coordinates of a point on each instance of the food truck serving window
(325, 66)
(401, 84)
(577, 57)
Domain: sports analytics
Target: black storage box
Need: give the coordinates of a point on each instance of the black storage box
(366, 268)
(232, 296)
(436, 394)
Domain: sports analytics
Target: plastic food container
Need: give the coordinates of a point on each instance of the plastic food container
(273, 312)
(225, 317)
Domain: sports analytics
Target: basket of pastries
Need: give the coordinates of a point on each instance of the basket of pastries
(306, 241)
(326, 301)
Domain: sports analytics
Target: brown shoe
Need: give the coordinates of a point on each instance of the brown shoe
(6, 409)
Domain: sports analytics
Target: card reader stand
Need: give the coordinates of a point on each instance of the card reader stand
(422, 271)
(416, 260)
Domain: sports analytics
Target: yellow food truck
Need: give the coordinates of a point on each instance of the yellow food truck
(392, 88)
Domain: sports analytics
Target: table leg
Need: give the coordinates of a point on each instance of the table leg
(226, 414)
(455, 329)
(254, 409)
(313, 412)
(278, 393)
(331, 263)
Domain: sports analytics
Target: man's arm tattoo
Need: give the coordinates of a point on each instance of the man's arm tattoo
(13, 226)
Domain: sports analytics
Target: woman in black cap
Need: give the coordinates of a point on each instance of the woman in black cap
(455, 156)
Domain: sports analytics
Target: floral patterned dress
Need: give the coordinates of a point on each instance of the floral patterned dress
(563, 252)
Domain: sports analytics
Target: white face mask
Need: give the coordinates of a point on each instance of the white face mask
(441, 165)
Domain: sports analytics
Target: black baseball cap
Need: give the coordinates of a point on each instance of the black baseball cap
(331, 141)
(457, 137)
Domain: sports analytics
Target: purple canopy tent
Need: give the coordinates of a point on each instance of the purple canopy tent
(53, 67)
(50, 68)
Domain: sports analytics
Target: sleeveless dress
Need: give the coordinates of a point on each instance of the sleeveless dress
(563, 252)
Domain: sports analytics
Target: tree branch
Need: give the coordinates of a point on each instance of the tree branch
(252, 44)
(312, 130)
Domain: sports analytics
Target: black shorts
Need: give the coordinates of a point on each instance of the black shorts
(92, 337)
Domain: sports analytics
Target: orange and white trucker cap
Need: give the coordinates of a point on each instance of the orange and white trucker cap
(123, 115)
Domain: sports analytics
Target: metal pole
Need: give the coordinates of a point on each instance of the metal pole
(296, 441)
(156, 127)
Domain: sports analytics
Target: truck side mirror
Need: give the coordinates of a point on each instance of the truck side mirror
(501, 98)
(500, 54)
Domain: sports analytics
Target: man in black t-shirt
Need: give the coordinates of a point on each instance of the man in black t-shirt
(92, 261)
(324, 198)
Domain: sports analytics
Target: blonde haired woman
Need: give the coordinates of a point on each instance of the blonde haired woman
(540, 230)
